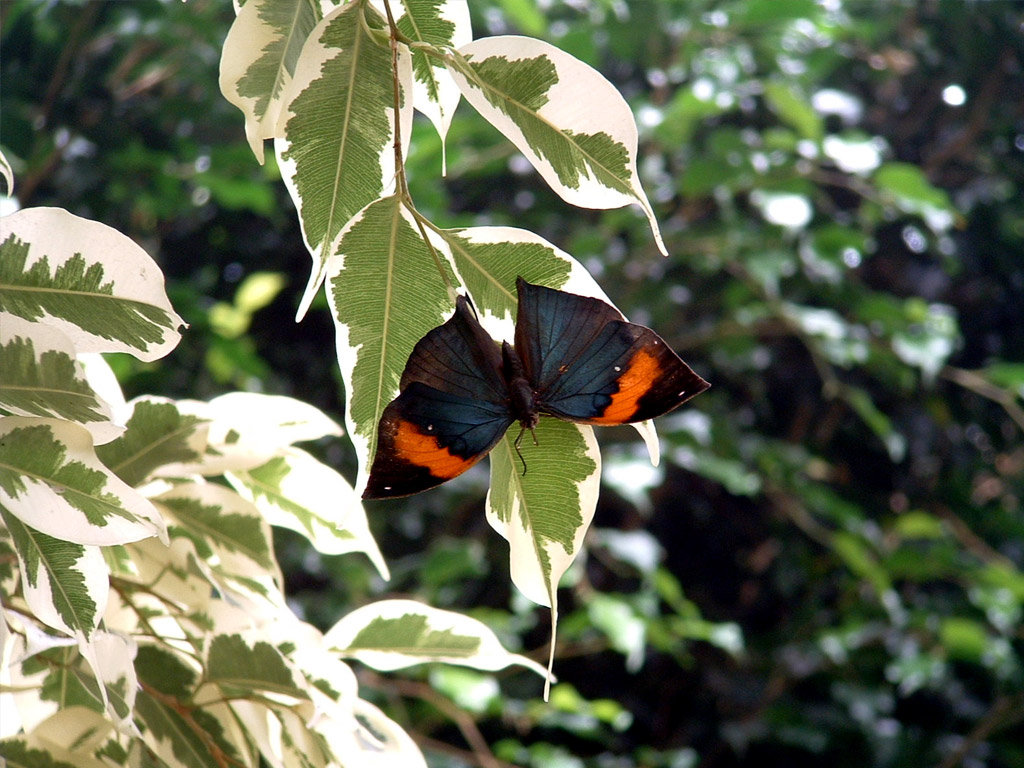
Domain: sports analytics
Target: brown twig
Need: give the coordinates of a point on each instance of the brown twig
(467, 726)
(982, 386)
(1004, 711)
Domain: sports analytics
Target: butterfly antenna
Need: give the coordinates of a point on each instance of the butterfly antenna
(518, 440)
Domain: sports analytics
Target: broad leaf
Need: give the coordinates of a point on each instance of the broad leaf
(247, 429)
(258, 61)
(51, 478)
(336, 152)
(240, 666)
(296, 491)
(65, 584)
(87, 279)
(157, 435)
(393, 634)
(563, 115)
(40, 376)
(217, 520)
(545, 512)
(385, 293)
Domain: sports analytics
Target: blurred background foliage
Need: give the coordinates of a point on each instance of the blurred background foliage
(827, 567)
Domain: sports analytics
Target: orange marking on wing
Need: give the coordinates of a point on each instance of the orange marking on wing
(634, 383)
(425, 451)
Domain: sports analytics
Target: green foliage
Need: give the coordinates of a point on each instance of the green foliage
(825, 569)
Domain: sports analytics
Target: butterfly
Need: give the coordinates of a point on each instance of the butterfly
(575, 358)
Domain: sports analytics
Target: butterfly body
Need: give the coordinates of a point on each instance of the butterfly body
(574, 358)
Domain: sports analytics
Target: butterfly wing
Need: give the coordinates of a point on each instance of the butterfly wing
(452, 409)
(588, 365)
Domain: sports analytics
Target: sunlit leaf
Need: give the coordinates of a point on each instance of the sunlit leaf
(41, 376)
(86, 279)
(564, 116)
(392, 634)
(51, 478)
(258, 61)
(336, 152)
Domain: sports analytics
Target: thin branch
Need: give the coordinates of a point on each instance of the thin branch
(982, 386)
(467, 726)
(1005, 711)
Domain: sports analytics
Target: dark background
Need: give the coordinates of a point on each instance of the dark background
(826, 570)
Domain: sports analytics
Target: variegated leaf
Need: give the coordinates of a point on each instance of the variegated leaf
(385, 293)
(87, 279)
(393, 634)
(444, 24)
(40, 376)
(65, 584)
(295, 491)
(7, 173)
(241, 665)
(337, 131)
(217, 521)
(563, 115)
(157, 435)
(52, 480)
(259, 58)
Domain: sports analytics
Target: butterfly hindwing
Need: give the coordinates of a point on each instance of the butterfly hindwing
(426, 437)
(589, 365)
(451, 411)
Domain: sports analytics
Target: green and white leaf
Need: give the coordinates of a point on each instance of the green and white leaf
(490, 258)
(157, 435)
(385, 293)
(545, 513)
(40, 376)
(443, 24)
(218, 522)
(241, 666)
(87, 280)
(336, 140)
(562, 114)
(259, 58)
(65, 584)
(175, 741)
(393, 634)
(7, 173)
(382, 742)
(296, 491)
(110, 655)
(247, 429)
(51, 478)
(70, 735)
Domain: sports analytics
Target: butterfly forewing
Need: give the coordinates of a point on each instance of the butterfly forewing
(554, 329)
(589, 365)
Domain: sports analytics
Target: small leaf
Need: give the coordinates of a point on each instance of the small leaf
(393, 634)
(66, 585)
(51, 478)
(444, 24)
(157, 434)
(239, 666)
(563, 115)
(296, 491)
(86, 279)
(259, 58)
(336, 152)
(40, 376)
(545, 512)
(214, 518)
